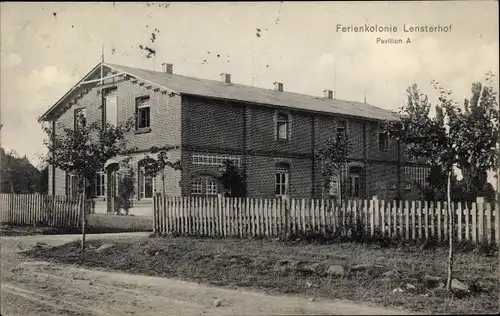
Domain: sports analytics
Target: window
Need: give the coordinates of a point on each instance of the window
(341, 130)
(204, 186)
(80, 118)
(354, 185)
(211, 188)
(417, 174)
(196, 187)
(282, 181)
(99, 185)
(143, 112)
(383, 141)
(146, 185)
(71, 185)
(111, 106)
(214, 160)
(282, 127)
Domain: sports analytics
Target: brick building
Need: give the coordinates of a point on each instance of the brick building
(270, 134)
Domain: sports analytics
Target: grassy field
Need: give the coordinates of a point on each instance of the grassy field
(96, 224)
(389, 276)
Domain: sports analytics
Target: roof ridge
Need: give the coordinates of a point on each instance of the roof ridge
(244, 85)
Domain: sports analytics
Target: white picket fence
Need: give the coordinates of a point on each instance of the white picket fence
(242, 217)
(40, 210)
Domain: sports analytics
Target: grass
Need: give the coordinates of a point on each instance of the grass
(96, 224)
(17, 230)
(298, 268)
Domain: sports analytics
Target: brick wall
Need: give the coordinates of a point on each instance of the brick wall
(165, 118)
(206, 125)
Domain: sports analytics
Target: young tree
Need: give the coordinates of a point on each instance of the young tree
(232, 181)
(154, 167)
(84, 150)
(446, 141)
(334, 157)
(126, 185)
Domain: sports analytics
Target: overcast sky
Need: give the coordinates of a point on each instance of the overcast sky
(46, 48)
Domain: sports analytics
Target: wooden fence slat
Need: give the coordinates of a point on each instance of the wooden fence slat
(474, 222)
(382, 217)
(488, 223)
(413, 221)
(389, 219)
(266, 217)
(303, 214)
(497, 223)
(406, 212)
(372, 217)
(439, 219)
(253, 217)
(480, 224)
(459, 221)
(400, 224)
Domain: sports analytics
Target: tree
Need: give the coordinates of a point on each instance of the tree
(18, 175)
(84, 150)
(446, 141)
(334, 157)
(232, 181)
(154, 167)
(126, 186)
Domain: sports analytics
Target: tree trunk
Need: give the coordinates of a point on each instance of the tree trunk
(451, 232)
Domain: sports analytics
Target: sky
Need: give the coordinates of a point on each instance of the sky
(46, 48)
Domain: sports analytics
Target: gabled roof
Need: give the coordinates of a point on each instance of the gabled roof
(184, 85)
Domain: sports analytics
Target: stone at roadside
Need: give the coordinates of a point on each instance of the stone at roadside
(365, 266)
(391, 274)
(309, 268)
(397, 290)
(431, 281)
(157, 253)
(103, 247)
(217, 302)
(335, 270)
(410, 286)
(459, 285)
(233, 260)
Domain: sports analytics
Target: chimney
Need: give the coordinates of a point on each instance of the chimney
(278, 86)
(328, 94)
(224, 77)
(169, 68)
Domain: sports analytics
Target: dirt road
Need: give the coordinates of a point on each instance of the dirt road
(30, 288)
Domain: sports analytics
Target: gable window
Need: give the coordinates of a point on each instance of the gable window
(282, 127)
(383, 140)
(282, 180)
(341, 130)
(146, 185)
(80, 118)
(111, 106)
(143, 113)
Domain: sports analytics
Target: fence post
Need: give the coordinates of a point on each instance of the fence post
(286, 206)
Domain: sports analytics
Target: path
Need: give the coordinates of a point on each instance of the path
(30, 288)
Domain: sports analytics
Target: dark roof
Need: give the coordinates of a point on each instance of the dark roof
(230, 91)
(236, 92)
